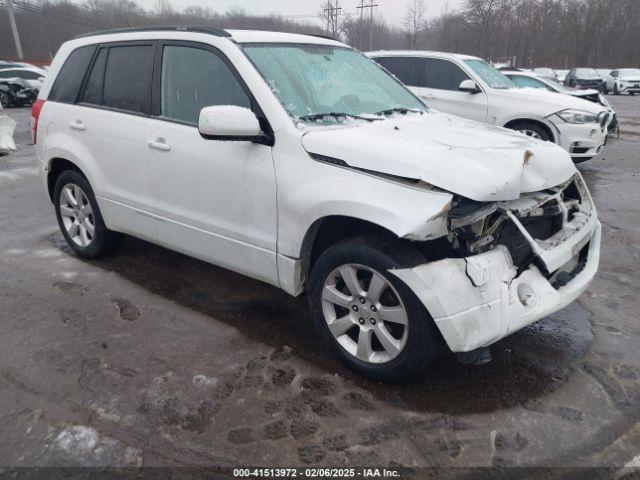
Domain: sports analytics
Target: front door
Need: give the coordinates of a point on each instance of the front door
(215, 200)
(439, 88)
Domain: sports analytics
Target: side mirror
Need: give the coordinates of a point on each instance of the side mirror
(230, 123)
(469, 86)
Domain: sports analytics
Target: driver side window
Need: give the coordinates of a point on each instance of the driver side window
(441, 74)
(193, 78)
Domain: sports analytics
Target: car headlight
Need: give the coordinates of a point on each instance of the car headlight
(577, 116)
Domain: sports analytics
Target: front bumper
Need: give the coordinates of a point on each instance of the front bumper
(581, 140)
(630, 87)
(478, 300)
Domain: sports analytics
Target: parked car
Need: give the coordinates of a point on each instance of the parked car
(547, 73)
(32, 76)
(561, 75)
(584, 78)
(7, 126)
(530, 80)
(624, 80)
(469, 87)
(298, 161)
(603, 72)
(16, 92)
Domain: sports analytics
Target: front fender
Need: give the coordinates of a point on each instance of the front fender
(409, 212)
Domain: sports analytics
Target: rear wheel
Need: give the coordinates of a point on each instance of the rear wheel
(533, 130)
(367, 316)
(615, 89)
(79, 217)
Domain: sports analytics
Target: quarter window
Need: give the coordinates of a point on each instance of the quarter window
(65, 89)
(127, 79)
(194, 78)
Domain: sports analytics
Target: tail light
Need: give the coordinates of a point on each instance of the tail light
(35, 115)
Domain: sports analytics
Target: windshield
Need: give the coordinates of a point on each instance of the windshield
(630, 72)
(492, 77)
(587, 73)
(311, 80)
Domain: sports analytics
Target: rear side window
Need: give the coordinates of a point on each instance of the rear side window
(127, 79)
(441, 74)
(193, 78)
(93, 89)
(405, 68)
(65, 88)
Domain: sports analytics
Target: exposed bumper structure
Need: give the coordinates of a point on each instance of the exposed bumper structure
(478, 300)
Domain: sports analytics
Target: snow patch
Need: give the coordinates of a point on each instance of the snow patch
(77, 439)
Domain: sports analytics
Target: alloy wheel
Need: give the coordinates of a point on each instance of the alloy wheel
(531, 133)
(77, 215)
(365, 313)
(4, 100)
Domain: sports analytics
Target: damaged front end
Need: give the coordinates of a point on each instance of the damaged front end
(510, 263)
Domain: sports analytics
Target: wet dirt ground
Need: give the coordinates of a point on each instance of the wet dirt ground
(152, 358)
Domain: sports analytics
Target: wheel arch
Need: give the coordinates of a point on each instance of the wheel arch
(511, 124)
(56, 166)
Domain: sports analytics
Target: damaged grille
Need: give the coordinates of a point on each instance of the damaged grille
(477, 227)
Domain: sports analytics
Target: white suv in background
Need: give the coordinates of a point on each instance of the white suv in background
(300, 162)
(625, 80)
(469, 87)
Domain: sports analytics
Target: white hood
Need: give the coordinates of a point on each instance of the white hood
(476, 161)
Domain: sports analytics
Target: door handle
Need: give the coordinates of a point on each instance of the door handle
(77, 125)
(159, 144)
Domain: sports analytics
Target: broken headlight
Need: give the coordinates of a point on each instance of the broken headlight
(472, 225)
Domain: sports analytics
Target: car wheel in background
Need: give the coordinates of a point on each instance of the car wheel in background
(5, 101)
(615, 89)
(367, 316)
(79, 217)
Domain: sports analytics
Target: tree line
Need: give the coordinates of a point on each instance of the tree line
(554, 33)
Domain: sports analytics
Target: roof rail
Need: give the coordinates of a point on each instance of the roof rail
(218, 32)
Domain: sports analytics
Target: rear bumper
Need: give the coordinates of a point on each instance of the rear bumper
(478, 300)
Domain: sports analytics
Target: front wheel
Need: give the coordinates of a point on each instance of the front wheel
(367, 316)
(615, 89)
(79, 217)
(533, 130)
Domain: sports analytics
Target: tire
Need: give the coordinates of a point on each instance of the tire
(615, 89)
(532, 130)
(5, 101)
(75, 204)
(414, 343)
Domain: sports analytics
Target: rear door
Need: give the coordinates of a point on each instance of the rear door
(109, 123)
(216, 199)
(439, 87)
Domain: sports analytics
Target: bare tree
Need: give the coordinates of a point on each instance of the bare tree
(414, 21)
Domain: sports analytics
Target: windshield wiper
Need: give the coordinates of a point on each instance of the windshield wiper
(320, 116)
(401, 110)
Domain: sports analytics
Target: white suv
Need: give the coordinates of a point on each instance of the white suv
(469, 87)
(298, 161)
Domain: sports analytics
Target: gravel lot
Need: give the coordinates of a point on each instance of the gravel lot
(152, 358)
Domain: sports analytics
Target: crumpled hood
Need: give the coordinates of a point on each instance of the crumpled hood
(477, 161)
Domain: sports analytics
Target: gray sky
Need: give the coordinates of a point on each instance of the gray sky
(392, 10)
